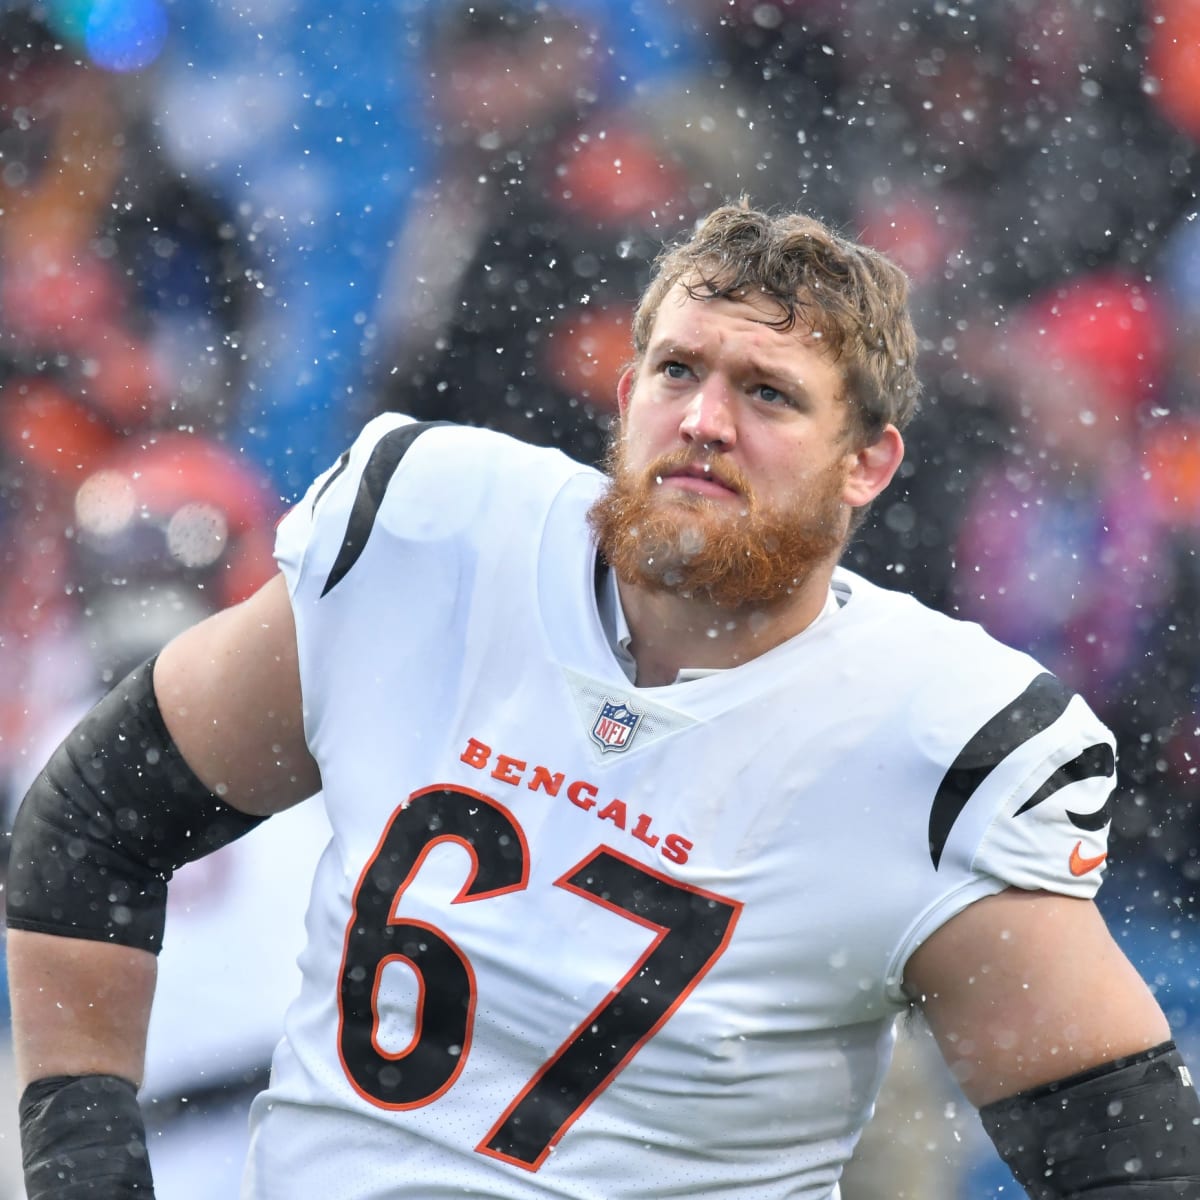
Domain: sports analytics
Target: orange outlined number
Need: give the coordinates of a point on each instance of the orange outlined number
(693, 928)
(432, 1060)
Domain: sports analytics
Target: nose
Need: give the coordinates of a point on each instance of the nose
(709, 418)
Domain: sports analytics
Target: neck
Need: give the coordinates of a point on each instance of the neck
(670, 632)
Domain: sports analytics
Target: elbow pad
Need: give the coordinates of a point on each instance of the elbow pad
(1130, 1127)
(114, 813)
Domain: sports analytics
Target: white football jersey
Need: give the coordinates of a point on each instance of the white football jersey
(577, 938)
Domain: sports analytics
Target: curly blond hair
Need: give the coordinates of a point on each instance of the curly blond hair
(851, 295)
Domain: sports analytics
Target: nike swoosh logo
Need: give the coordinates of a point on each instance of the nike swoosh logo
(1080, 865)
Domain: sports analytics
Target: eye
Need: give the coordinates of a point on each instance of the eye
(771, 395)
(673, 369)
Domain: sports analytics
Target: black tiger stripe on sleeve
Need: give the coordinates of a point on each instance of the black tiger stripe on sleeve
(342, 463)
(1096, 761)
(1035, 709)
(376, 476)
(1092, 821)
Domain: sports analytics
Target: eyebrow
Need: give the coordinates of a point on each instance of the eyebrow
(772, 376)
(658, 349)
(775, 378)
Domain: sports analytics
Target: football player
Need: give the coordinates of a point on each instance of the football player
(648, 819)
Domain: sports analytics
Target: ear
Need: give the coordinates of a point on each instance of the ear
(872, 468)
(625, 388)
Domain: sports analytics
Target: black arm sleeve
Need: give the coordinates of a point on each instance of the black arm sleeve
(104, 826)
(1127, 1128)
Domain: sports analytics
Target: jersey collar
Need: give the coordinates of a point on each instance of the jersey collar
(616, 627)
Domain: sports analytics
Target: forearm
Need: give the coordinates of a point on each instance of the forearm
(80, 1013)
(79, 1007)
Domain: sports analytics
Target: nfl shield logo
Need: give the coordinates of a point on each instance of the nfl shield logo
(614, 726)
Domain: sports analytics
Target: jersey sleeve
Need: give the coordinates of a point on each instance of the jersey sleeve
(399, 540)
(326, 508)
(1051, 832)
(358, 505)
(1027, 799)
(1023, 798)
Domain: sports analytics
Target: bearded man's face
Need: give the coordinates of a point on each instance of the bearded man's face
(729, 468)
(731, 554)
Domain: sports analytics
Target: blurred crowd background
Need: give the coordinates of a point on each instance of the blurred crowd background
(231, 232)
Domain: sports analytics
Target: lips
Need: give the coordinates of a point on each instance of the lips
(702, 480)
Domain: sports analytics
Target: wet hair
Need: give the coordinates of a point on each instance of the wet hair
(853, 297)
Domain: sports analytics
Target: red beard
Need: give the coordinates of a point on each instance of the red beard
(730, 554)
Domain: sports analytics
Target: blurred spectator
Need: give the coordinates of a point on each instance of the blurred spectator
(785, 63)
(1023, 135)
(511, 287)
(1172, 73)
(166, 531)
(123, 291)
(993, 150)
(1043, 541)
(162, 530)
(128, 278)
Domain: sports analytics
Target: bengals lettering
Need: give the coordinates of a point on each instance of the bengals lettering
(584, 795)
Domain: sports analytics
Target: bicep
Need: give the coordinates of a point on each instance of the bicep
(1024, 988)
(229, 692)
